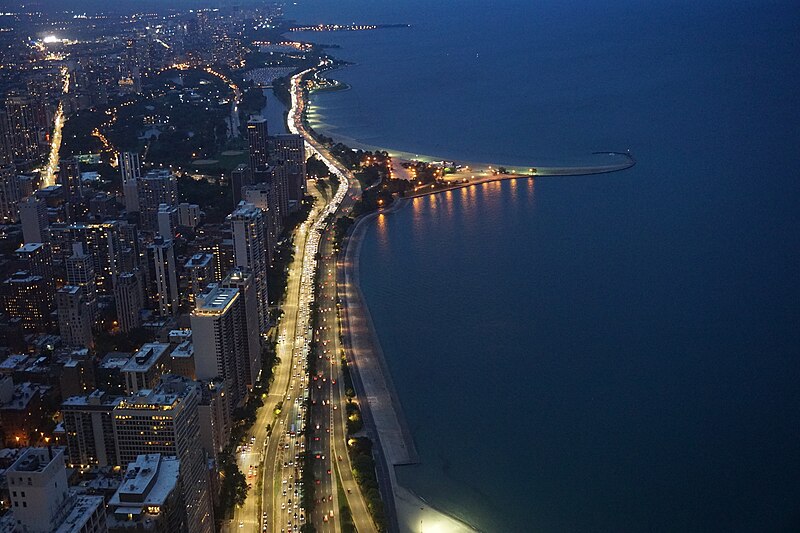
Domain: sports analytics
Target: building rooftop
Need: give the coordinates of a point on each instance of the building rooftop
(114, 360)
(13, 362)
(184, 350)
(82, 509)
(147, 356)
(148, 482)
(177, 336)
(167, 395)
(29, 247)
(96, 398)
(201, 260)
(70, 289)
(23, 394)
(215, 301)
(36, 459)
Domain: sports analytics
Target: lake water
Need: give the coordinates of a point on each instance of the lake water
(605, 353)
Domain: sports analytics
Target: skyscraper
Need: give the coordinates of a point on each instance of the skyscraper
(167, 217)
(89, 429)
(69, 177)
(240, 176)
(131, 171)
(103, 243)
(24, 124)
(33, 215)
(249, 227)
(74, 317)
(262, 195)
(10, 194)
(164, 279)
(28, 300)
(257, 141)
(219, 337)
(290, 150)
(150, 497)
(200, 272)
(36, 259)
(128, 300)
(80, 273)
(242, 279)
(155, 188)
(6, 144)
(275, 177)
(165, 420)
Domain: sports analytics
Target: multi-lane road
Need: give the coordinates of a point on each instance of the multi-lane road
(330, 461)
(271, 460)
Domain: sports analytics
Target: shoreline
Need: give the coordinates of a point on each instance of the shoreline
(580, 166)
(384, 418)
(384, 415)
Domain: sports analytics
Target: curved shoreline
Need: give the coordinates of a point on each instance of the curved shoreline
(384, 419)
(384, 416)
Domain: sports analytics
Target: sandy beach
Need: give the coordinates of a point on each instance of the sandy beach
(384, 411)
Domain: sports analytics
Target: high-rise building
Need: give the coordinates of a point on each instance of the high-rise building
(262, 195)
(243, 279)
(25, 126)
(128, 300)
(164, 277)
(167, 217)
(6, 144)
(240, 177)
(249, 227)
(155, 188)
(131, 171)
(74, 317)
(33, 215)
(150, 498)
(80, 272)
(69, 177)
(36, 259)
(290, 150)
(130, 257)
(218, 335)
(223, 256)
(215, 418)
(188, 215)
(10, 194)
(28, 300)
(89, 429)
(274, 177)
(258, 141)
(200, 272)
(103, 243)
(165, 420)
(41, 500)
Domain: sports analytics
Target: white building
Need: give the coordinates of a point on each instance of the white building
(243, 280)
(149, 498)
(41, 500)
(249, 227)
(165, 420)
(218, 335)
